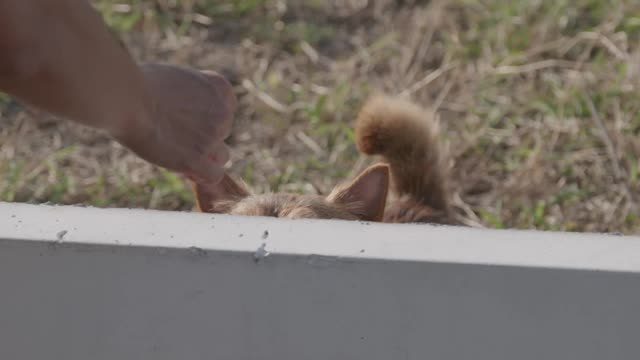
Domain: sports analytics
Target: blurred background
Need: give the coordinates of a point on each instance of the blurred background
(538, 102)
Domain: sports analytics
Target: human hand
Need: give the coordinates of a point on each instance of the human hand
(190, 113)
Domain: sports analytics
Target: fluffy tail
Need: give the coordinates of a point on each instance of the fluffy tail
(405, 135)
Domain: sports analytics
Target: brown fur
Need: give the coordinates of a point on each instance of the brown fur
(406, 137)
(403, 134)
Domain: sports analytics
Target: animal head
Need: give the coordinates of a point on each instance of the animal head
(363, 198)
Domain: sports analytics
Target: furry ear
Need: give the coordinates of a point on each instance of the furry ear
(366, 195)
(225, 192)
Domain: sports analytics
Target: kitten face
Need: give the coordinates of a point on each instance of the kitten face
(364, 198)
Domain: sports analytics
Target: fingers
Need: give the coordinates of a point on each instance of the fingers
(223, 87)
(218, 154)
(194, 116)
(204, 100)
(223, 104)
(204, 171)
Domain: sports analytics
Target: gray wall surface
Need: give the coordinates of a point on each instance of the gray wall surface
(83, 283)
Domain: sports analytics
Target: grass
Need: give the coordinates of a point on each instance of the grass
(538, 102)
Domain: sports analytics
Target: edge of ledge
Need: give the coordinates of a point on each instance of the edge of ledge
(331, 238)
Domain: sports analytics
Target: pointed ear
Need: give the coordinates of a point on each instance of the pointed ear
(366, 195)
(226, 191)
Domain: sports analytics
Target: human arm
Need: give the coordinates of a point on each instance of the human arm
(59, 56)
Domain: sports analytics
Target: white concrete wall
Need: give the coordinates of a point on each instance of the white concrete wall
(83, 283)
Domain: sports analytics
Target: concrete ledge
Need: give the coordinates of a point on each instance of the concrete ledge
(85, 283)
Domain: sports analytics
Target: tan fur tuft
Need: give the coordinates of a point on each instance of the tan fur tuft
(406, 136)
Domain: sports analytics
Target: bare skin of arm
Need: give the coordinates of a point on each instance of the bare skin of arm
(59, 56)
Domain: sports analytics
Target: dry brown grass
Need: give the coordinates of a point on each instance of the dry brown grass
(538, 101)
